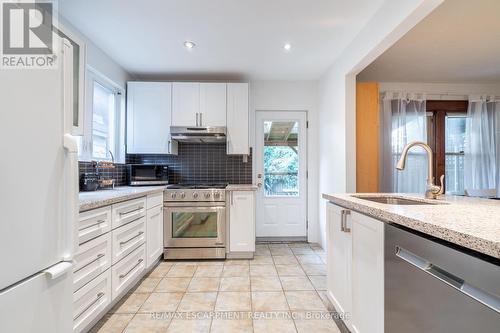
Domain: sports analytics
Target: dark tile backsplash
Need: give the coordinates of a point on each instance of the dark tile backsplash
(201, 163)
(195, 163)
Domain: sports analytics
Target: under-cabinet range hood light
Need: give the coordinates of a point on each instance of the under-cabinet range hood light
(198, 134)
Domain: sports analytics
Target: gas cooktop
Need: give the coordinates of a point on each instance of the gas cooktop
(189, 186)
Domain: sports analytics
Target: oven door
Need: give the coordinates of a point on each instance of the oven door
(202, 225)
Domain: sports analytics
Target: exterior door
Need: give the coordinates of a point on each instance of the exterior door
(281, 167)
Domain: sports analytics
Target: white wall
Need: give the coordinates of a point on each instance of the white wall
(293, 96)
(337, 94)
(443, 91)
(98, 60)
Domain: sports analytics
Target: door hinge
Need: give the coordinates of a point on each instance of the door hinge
(307, 124)
(307, 174)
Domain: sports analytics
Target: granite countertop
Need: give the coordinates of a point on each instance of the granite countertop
(241, 187)
(101, 198)
(472, 223)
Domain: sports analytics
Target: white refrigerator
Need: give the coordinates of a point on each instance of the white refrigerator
(38, 198)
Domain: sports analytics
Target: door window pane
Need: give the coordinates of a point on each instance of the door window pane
(194, 225)
(281, 159)
(454, 150)
(103, 120)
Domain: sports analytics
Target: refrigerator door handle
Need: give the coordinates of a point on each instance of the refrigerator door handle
(59, 269)
(69, 234)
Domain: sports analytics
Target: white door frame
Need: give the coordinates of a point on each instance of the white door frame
(305, 191)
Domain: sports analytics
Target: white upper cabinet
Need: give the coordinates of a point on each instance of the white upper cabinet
(237, 119)
(212, 104)
(149, 114)
(185, 104)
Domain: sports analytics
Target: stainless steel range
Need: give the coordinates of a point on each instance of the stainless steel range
(194, 224)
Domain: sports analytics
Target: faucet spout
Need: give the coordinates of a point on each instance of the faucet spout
(432, 190)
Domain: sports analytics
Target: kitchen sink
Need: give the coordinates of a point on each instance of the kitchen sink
(393, 200)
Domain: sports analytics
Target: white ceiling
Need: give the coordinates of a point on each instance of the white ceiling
(233, 37)
(458, 42)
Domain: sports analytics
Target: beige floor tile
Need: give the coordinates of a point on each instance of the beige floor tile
(237, 262)
(112, 323)
(182, 271)
(304, 301)
(173, 285)
(208, 271)
(274, 326)
(235, 270)
(186, 263)
(318, 281)
(192, 302)
(211, 263)
(323, 258)
(235, 284)
(243, 325)
(278, 246)
(263, 270)
(261, 260)
(189, 326)
(203, 284)
(316, 325)
(130, 303)
(161, 302)
(281, 251)
(147, 285)
(314, 269)
(303, 251)
(309, 259)
(290, 270)
(262, 250)
(144, 323)
(233, 301)
(285, 260)
(324, 298)
(296, 283)
(269, 301)
(161, 270)
(299, 246)
(265, 283)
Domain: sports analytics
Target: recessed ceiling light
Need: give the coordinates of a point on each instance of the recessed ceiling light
(287, 46)
(189, 44)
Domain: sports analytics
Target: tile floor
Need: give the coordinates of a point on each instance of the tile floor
(277, 291)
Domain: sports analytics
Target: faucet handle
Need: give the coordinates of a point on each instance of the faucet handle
(441, 185)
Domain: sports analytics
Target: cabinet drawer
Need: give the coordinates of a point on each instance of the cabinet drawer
(128, 211)
(91, 300)
(128, 270)
(93, 258)
(127, 238)
(154, 200)
(93, 223)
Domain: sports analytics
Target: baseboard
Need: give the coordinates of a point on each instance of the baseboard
(280, 239)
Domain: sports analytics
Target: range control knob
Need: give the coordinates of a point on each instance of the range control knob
(183, 195)
(195, 195)
(207, 195)
(216, 194)
(173, 195)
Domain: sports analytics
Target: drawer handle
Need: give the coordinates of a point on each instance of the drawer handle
(93, 225)
(489, 300)
(98, 297)
(131, 238)
(99, 256)
(131, 211)
(343, 220)
(121, 276)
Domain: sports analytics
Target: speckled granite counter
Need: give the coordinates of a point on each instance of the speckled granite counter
(96, 199)
(469, 222)
(241, 187)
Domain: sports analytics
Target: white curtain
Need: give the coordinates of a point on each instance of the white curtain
(482, 147)
(403, 120)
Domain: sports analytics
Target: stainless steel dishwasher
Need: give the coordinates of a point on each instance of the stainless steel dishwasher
(434, 288)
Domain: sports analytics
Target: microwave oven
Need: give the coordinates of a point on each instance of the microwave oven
(147, 174)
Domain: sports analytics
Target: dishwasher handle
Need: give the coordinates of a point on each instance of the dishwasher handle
(491, 301)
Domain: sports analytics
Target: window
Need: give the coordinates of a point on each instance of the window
(447, 136)
(281, 159)
(104, 120)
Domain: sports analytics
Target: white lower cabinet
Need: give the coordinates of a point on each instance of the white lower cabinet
(355, 268)
(127, 270)
(242, 221)
(91, 300)
(92, 259)
(93, 223)
(127, 238)
(154, 242)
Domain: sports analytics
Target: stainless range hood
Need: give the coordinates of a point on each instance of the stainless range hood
(198, 134)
